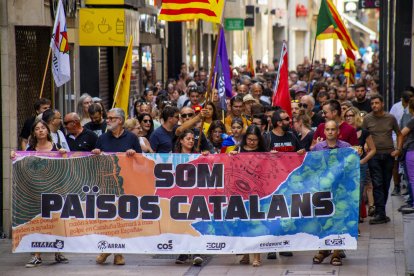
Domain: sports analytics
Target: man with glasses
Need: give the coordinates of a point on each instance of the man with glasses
(307, 103)
(362, 103)
(331, 110)
(116, 139)
(79, 138)
(97, 123)
(162, 139)
(189, 120)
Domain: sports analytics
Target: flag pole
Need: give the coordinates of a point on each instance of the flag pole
(45, 72)
(210, 78)
(311, 67)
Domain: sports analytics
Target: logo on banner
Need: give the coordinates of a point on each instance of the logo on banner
(215, 245)
(58, 244)
(165, 246)
(335, 242)
(102, 245)
(269, 245)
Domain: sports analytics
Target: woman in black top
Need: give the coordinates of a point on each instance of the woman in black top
(302, 125)
(252, 141)
(214, 134)
(41, 140)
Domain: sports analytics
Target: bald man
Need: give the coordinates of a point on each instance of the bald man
(78, 137)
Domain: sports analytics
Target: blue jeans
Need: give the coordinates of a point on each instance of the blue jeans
(380, 167)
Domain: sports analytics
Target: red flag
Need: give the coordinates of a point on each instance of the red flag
(281, 96)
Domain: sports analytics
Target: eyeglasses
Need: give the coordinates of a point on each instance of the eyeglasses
(112, 118)
(187, 115)
(303, 105)
(146, 121)
(349, 115)
(252, 140)
(143, 103)
(294, 101)
(287, 119)
(68, 122)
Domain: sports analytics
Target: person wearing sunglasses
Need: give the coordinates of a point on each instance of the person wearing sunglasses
(78, 137)
(161, 139)
(189, 120)
(307, 103)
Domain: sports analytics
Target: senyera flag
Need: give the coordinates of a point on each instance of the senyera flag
(281, 96)
(60, 48)
(330, 25)
(350, 71)
(222, 69)
(185, 10)
(250, 64)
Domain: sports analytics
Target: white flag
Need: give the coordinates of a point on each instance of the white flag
(60, 48)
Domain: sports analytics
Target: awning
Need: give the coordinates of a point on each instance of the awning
(359, 25)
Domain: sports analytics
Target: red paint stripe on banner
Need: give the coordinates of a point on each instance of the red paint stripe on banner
(188, 11)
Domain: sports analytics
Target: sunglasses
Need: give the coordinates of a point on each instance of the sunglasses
(287, 119)
(146, 121)
(187, 115)
(303, 105)
(349, 115)
(143, 103)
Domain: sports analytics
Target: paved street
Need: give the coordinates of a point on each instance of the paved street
(380, 252)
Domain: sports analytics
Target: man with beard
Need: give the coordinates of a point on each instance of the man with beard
(362, 103)
(97, 123)
(280, 139)
(116, 139)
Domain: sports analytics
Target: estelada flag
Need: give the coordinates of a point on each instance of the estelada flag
(330, 25)
(350, 71)
(185, 10)
(281, 96)
(121, 95)
(60, 48)
(250, 64)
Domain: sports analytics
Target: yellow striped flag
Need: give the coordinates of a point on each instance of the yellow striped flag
(330, 25)
(350, 71)
(121, 95)
(185, 10)
(250, 64)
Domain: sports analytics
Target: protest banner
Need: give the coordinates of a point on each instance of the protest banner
(185, 203)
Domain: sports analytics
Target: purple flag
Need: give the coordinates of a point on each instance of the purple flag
(222, 68)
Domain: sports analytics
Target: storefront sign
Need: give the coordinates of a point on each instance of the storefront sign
(107, 27)
(181, 203)
(369, 4)
(233, 24)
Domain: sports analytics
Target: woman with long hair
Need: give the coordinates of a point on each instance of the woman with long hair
(252, 141)
(303, 127)
(210, 116)
(147, 124)
(214, 134)
(82, 109)
(366, 144)
(231, 141)
(185, 142)
(132, 125)
(41, 140)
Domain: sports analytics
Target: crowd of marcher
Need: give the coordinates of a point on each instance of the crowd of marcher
(180, 117)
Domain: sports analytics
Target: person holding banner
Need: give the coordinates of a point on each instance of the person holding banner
(116, 139)
(331, 131)
(41, 140)
(252, 141)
